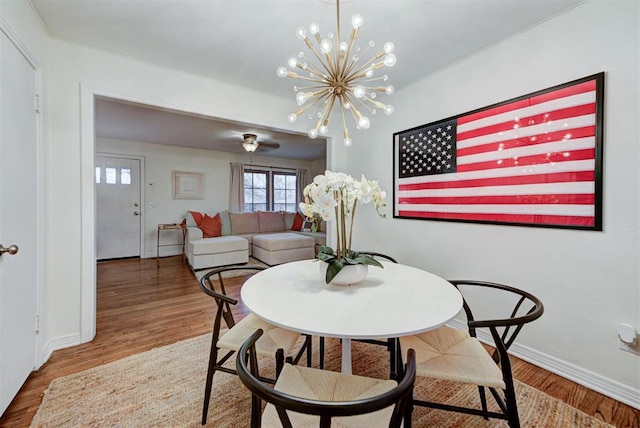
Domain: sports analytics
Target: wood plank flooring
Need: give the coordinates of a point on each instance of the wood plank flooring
(141, 307)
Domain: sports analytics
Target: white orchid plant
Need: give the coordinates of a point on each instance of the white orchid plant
(335, 196)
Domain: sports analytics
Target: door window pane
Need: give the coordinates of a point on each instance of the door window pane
(97, 175)
(110, 175)
(125, 175)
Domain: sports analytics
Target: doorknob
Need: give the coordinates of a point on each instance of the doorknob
(13, 249)
(136, 213)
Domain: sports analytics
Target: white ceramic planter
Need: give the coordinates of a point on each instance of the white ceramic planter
(348, 275)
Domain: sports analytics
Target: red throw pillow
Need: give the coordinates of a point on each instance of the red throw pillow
(197, 217)
(211, 226)
(297, 222)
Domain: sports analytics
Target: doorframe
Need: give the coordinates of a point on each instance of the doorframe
(39, 356)
(141, 183)
(88, 278)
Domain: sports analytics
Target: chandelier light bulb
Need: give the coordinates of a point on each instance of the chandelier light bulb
(364, 123)
(359, 91)
(325, 46)
(390, 60)
(370, 72)
(293, 62)
(389, 90)
(301, 33)
(300, 98)
(281, 72)
(343, 47)
(388, 110)
(389, 47)
(357, 20)
(324, 129)
(314, 28)
(313, 133)
(292, 117)
(347, 142)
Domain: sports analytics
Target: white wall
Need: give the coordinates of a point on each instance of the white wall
(588, 281)
(160, 160)
(72, 69)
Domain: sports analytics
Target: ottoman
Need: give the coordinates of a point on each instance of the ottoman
(278, 248)
(218, 251)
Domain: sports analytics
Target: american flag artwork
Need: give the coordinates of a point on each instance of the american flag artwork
(535, 160)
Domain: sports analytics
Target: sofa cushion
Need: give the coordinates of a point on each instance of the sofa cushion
(282, 241)
(211, 226)
(193, 219)
(271, 221)
(244, 223)
(221, 244)
(297, 222)
(288, 219)
(226, 222)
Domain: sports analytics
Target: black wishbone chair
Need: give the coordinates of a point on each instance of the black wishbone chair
(457, 355)
(391, 343)
(305, 396)
(276, 342)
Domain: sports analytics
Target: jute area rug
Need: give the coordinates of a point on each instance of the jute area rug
(252, 262)
(164, 387)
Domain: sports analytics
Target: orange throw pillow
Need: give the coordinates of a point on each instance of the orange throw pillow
(211, 226)
(297, 222)
(197, 217)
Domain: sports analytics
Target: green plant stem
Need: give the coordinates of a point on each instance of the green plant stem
(353, 216)
(338, 251)
(344, 230)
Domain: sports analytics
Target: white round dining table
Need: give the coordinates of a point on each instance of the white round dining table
(397, 300)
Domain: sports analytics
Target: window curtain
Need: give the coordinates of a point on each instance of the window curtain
(301, 182)
(236, 188)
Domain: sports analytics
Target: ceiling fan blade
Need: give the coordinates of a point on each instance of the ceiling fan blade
(270, 146)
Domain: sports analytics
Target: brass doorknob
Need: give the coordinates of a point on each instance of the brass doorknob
(13, 249)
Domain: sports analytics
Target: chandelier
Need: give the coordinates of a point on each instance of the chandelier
(338, 75)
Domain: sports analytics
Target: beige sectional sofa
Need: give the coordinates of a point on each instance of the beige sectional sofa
(239, 231)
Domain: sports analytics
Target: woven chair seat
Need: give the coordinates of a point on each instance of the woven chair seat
(324, 385)
(272, 339)
(452, 354)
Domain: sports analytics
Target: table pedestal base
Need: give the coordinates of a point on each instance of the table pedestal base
(346, 356)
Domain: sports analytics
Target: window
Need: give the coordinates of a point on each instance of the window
(111, 175)
(269, 190)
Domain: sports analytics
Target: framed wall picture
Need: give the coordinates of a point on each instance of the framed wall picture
(188, 185)
(535, 160)
(307, 225)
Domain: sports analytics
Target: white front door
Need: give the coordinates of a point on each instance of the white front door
(118, 210)
(18, 220)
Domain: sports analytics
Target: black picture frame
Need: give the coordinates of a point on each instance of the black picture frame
(535, 160)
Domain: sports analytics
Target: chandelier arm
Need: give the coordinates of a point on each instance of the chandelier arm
(313, 68)
(313, 50)
(310, 79)
(352, 39)
(325, 114)
(360, 72)
(308, 105)
(345, 130)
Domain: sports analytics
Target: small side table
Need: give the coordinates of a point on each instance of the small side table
(169, 226)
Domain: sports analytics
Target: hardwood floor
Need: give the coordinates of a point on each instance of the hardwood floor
(142, 307)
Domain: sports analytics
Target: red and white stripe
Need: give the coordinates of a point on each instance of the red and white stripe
(530, 161)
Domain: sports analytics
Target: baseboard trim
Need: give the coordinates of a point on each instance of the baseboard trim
(58, 343)
(609, 387)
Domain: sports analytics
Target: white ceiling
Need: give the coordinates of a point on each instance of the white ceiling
(243, 42)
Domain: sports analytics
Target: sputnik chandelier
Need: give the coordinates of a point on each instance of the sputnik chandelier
(339, 76)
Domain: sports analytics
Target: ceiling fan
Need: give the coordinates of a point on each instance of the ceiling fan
(250, 143)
